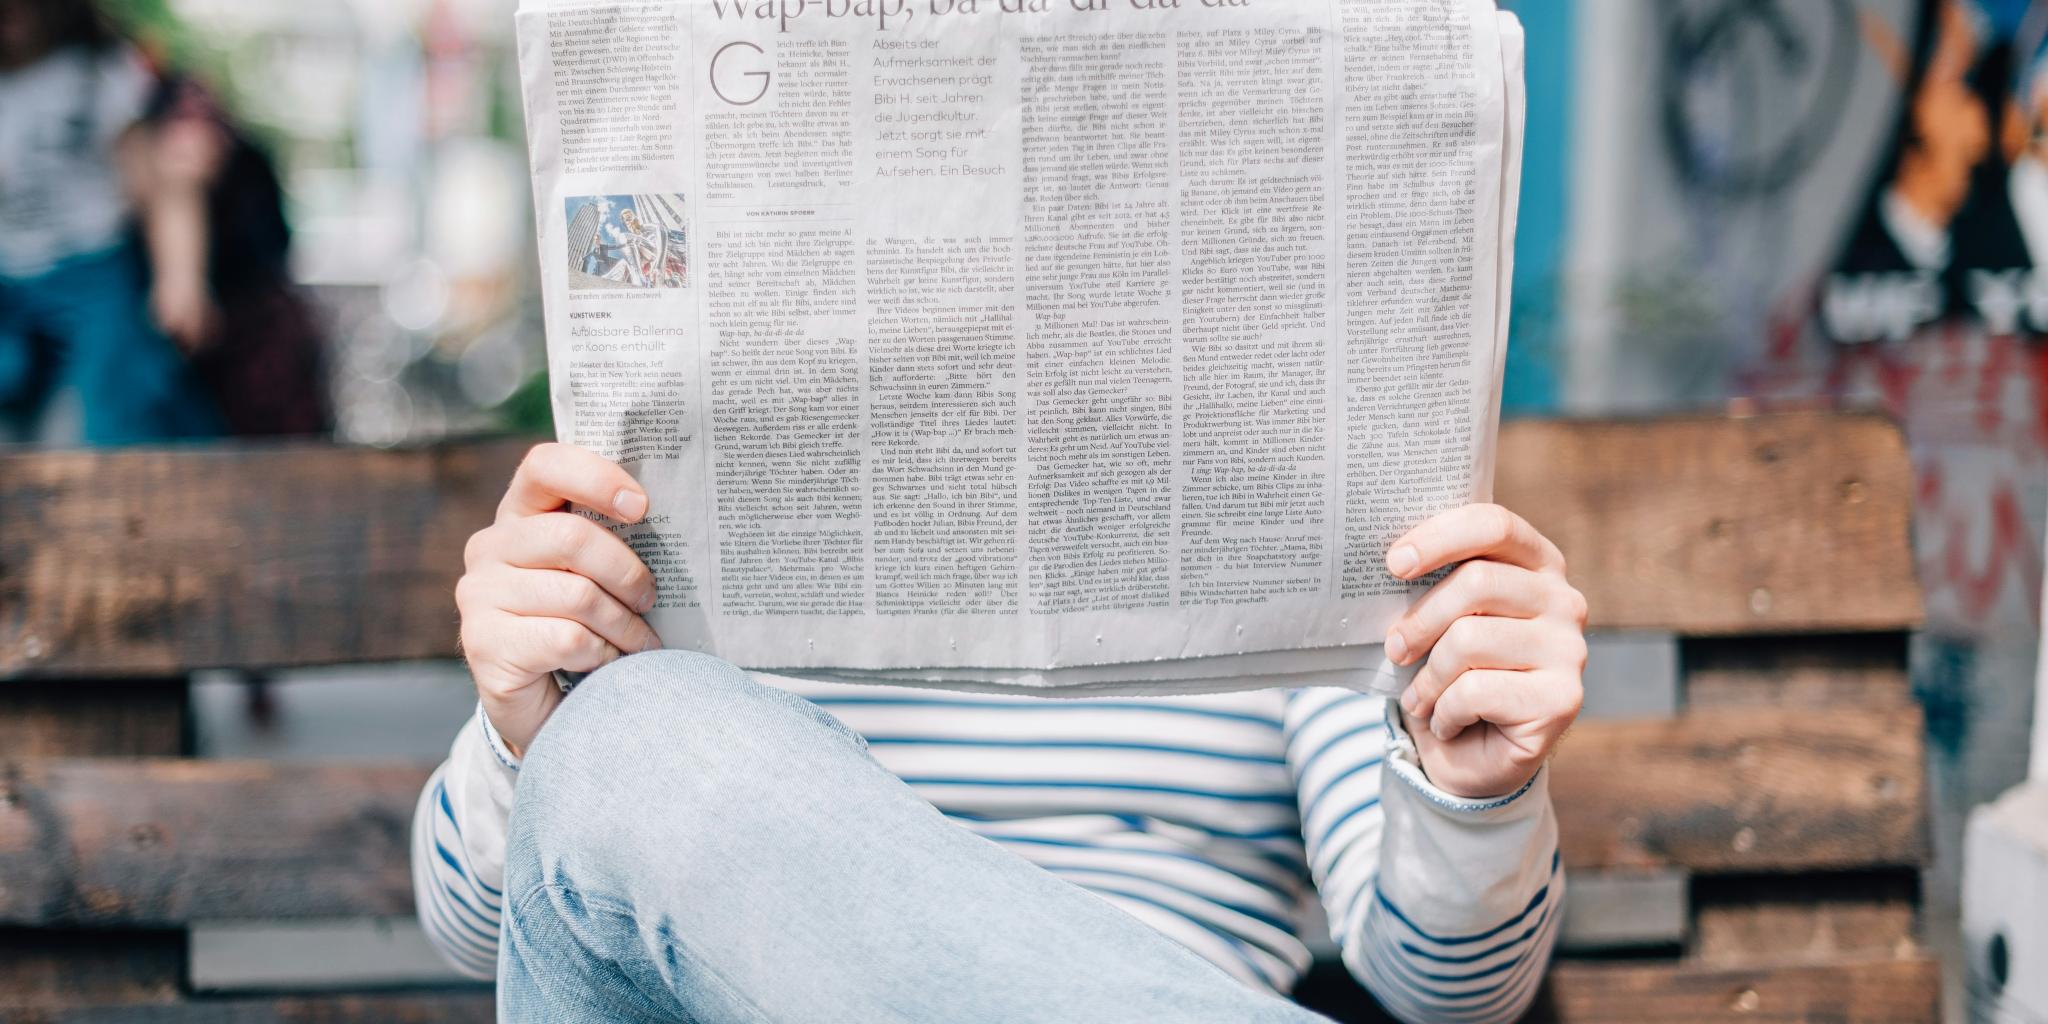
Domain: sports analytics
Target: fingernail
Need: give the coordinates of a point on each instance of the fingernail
(1397, 648)
(1437, 729)
(630, 503)
(645, 604)
(653, 644)
(1403, 561)
(1408, 700)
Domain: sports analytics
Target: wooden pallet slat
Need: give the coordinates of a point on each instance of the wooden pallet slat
(378, 1008)
(157, 562)
(158, 842)
(1743, 789)
(161, 842)
(1788, 523)
(1870, 992)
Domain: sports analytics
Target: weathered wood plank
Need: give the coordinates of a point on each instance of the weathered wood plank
(1877, 992)
(43, 969)
(167, 841)
(1800, 673)
(105, 842)
(1709, 525)
(1786, 919)
(1895, 992)
(383, 1008)
(155, 562)
(1743, 789)
(115, 718)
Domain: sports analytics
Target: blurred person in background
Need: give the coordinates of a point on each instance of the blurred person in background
(142, 249)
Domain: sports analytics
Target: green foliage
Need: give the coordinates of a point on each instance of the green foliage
(529, 410)
(157, 30)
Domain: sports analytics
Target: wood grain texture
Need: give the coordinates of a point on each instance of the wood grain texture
(130, 563)
(42, 969)
(1747, 920)
(155, 562)
(1876, 992)
(1743, 789)
(1895, 992)
(382, 1008)
(160, 842)
(163, 842)
(1798, 673)
(1786, 523)
(97, 718)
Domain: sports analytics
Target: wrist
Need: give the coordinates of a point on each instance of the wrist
(508, 754)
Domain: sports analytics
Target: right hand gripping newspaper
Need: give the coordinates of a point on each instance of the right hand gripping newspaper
(1070, 347)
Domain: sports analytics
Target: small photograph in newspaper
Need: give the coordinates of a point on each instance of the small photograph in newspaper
(627, 241)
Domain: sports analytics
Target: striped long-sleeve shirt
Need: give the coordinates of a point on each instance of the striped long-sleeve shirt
(1213, 818)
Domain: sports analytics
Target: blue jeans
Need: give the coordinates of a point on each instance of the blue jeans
(690, 845)
(84, 326)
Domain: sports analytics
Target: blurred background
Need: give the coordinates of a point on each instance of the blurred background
(1751, 202)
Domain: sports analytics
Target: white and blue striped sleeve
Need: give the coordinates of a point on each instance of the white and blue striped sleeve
(458, 849)
(1445, 908)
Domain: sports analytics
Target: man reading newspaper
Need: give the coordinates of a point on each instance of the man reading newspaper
(867, 389)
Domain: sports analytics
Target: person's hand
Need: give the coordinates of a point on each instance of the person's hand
(547, 589)
(1505, 638)
(183, 309)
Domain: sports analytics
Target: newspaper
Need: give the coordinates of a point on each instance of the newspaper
(1052, 345)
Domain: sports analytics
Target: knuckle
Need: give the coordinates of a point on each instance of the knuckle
(581, 596)
(1575, 607)
(1500, 523)
(563, 639)
(473, 549)
(540, 453)
(638, 576)
(564, 534)
(1575, 700)
(1488, 577)
(1576, 653)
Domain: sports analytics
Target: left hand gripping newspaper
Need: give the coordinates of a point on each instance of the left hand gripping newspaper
(1060, 346)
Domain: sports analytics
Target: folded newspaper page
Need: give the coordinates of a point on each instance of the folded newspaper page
(1053, 345)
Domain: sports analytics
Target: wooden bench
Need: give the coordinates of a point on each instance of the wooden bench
(1771, 808)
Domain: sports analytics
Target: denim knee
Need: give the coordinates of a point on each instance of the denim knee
(648, 702)
(653, 731)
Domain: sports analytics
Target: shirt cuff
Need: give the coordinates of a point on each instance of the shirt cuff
(496, 743)
(1406, 764)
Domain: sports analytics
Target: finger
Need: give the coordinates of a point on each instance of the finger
(554, 476)
(1479, 642)
(570, 542)
(1484, 695)
(567, 644)
(550, 593)
(1472, 531)
(509, 653)
(1475, 588)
